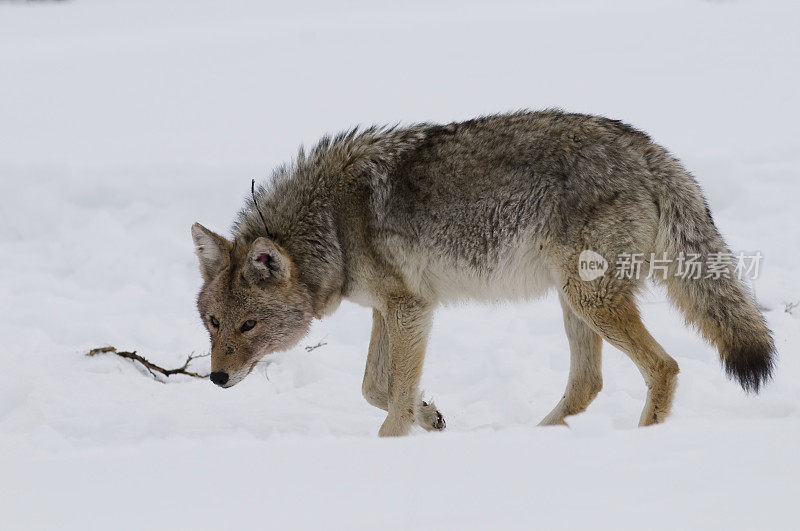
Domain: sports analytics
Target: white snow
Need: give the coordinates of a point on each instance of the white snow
(123, 123)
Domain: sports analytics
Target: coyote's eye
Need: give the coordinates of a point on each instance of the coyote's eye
(248, 325)
(214, 322)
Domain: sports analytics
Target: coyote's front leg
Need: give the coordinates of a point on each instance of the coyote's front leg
(375, 386)
(408, 321)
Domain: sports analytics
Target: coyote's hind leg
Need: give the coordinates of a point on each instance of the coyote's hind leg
(608, 306)
(585, 377)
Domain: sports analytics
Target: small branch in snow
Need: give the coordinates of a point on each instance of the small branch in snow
(790, 306)
(151, 367)
(309, 348)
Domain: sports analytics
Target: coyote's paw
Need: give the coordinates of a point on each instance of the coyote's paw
(429, 417)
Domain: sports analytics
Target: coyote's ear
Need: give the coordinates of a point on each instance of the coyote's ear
(266, 262)
(211, 249)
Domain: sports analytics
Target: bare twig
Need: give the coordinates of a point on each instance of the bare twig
(309, 348)
(151, 367)
(790, 306)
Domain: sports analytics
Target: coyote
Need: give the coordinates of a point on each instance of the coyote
(499, 208)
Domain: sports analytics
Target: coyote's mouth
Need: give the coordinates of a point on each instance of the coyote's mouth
(239, 377)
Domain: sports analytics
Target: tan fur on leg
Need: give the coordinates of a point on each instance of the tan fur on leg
(408, 322)
(375, 386)
(612, 312)
(585, 376)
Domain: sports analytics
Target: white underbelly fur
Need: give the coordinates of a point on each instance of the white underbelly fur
(521, 274)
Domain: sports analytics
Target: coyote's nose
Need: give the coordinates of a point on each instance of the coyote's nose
(219, 378)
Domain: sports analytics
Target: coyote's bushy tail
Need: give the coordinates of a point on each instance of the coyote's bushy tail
(723, 309)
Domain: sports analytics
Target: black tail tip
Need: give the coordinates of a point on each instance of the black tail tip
(751, 365)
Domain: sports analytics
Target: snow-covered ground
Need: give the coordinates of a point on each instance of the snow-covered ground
(123, 123)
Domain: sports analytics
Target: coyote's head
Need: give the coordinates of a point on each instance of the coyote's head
(252, 302)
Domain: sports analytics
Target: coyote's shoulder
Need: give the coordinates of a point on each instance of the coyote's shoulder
(496, 208)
